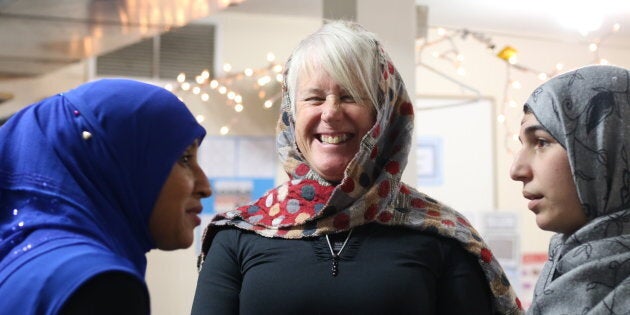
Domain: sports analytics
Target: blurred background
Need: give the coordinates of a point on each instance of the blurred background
(469, 66)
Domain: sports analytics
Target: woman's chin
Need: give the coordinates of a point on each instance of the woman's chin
(332, 175)
(332, 172)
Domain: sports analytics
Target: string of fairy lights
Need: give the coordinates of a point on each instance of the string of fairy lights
(265, 82)
(444, 48)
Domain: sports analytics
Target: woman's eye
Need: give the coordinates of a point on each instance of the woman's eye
(347, 99)
(314, 99)
(185, 159)
(540, 143)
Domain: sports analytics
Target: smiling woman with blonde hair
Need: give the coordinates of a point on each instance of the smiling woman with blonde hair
(344, 235)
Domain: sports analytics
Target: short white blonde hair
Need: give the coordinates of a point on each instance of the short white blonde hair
(347, 52)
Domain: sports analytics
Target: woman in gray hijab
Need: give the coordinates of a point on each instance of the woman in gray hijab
(575, 168)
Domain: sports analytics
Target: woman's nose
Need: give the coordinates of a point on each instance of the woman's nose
(202, 184)
(520, 169)
(331, 109)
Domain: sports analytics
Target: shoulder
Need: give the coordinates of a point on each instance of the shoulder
(112, 292)
(233, 237)
(231, 240)
(230, 234)
(405, 234)
(414, 240)
(55, 274)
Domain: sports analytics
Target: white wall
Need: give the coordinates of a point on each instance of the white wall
(487, 73)
(27, 91)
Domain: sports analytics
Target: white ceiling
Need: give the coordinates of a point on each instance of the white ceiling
(531, 17)
(39, 36)
(523, 17)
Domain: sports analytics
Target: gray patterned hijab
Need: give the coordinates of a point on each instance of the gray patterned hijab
(588, 112)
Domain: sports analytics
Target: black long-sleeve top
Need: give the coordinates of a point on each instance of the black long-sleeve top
(109, 293)
(382, 270)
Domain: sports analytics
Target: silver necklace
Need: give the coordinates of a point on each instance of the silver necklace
(335, 255)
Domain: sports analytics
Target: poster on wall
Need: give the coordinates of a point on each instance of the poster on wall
(531, 267)
(238, 156)
(429, 160)
(240, 169)
(455, 151)
(227, 194)
(500, 230)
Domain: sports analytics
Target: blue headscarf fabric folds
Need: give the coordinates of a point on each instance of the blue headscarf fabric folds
(79, 175)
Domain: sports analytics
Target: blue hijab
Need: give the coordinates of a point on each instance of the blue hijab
(79, 175)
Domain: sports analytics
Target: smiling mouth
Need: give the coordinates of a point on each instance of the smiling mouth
(336, 139)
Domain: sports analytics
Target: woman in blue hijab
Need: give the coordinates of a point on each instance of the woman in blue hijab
(90, 181)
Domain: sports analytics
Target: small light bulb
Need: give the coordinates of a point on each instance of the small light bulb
(200, 118)
(264, 80)
(238, 108)
(268, 104)
(224, 130)
(227, 67)
(513, 60)
(181, 77)
(516, 85)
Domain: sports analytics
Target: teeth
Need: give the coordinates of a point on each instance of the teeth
(334, 139)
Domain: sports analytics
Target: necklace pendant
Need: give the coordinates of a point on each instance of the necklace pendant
(335, 255)
(335, 266)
